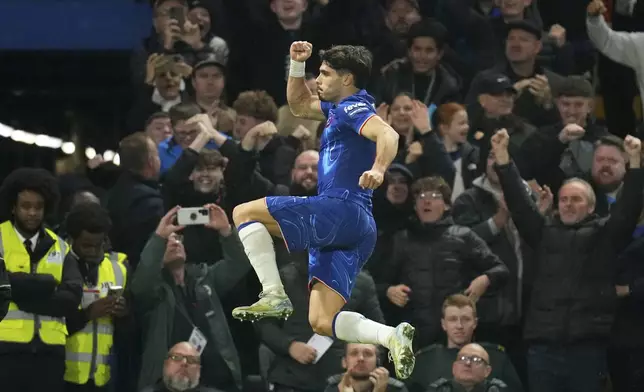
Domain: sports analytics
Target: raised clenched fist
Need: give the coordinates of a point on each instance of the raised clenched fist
(371, 179)
(301, 51)
(571, 132)
(633, 146)
(558, 34)
(596, 8)
(500, 141)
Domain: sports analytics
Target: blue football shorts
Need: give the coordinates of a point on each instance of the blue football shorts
(339, 235)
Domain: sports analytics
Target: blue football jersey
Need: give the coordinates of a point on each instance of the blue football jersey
(344, 153)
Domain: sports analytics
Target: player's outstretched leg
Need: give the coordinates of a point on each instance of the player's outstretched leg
(255, 226)
(354, 327)
(326, 318)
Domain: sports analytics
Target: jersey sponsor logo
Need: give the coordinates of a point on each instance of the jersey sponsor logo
(355, 108)
(358, 111)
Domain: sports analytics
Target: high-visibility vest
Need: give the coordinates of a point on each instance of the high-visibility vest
(88, 350)
(19, 326)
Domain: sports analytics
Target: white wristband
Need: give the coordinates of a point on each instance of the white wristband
(297, 70)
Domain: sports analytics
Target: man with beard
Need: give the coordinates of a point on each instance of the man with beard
(364, 372)
(91, 328)
(608, 171)
(304, 176)
(46, 285)
(181, 371)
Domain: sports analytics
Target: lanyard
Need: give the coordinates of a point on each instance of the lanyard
(430, 87)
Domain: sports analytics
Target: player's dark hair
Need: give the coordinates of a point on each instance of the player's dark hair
(356, 60)
(89, 217)
(39, 181)
(433, 184)
(428, 28)
(134, 151)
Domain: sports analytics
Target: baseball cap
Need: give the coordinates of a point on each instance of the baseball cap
(525, 25)
(209, 59)
(495, 84)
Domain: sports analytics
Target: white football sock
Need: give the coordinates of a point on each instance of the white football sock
(355, 328)
(258, 245)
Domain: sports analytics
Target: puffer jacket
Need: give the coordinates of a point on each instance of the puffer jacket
(436, 260)
(573, 297)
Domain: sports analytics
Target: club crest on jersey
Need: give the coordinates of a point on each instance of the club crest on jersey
(329, 121)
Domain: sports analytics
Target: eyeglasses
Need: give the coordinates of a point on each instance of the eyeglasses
(431, 195)
(190, 359)
(472, 359)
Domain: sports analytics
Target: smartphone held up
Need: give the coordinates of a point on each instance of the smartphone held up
(193, 216)
(178, 14)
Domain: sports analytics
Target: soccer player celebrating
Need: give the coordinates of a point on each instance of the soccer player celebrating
(337, 226)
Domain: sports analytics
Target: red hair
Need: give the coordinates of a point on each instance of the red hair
(446, 112)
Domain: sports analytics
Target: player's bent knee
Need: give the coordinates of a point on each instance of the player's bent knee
(250, 211)
(240, 214)
(321, 325)
(243, 213)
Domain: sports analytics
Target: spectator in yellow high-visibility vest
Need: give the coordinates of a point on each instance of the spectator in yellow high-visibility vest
(91, 327)
(46, 285)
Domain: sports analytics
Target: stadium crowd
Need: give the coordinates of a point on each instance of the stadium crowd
(510, 225)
